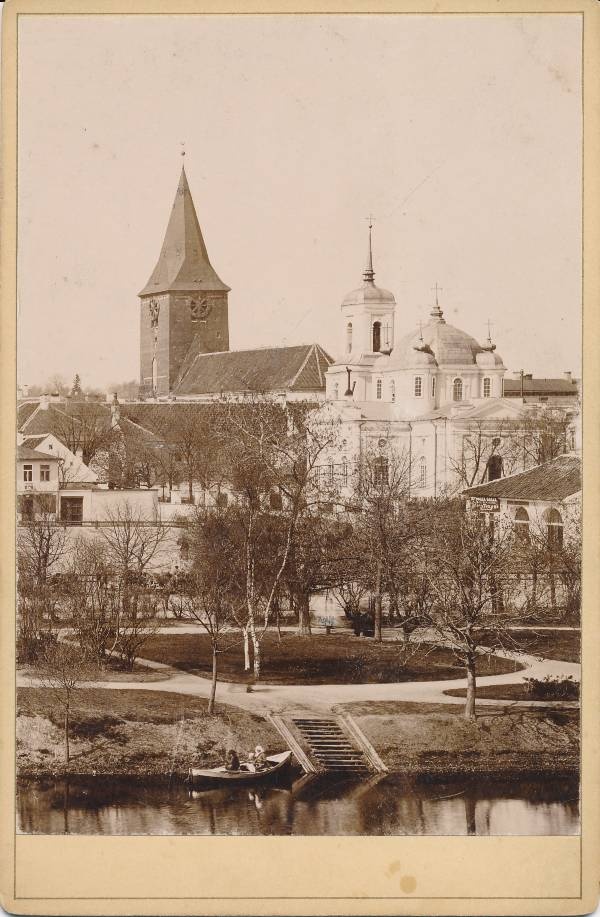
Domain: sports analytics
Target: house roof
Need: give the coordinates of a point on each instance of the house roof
(59, 420)
(34, 441)
(299, 369)
(24, 411)
(26, 454)
(183, 263)
(553, 481)
(512, 387)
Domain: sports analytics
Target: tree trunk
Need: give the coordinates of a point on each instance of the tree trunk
(191, 489)
(471, 689)
(213, 686)
(246, 650)
(304, 616)
(377, 634)
(67, 735)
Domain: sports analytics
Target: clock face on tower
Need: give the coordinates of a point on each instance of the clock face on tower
(200, 309)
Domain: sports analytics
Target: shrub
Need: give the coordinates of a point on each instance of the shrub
(553, 688)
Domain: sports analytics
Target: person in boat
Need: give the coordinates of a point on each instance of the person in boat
(259, 758)
(232, 761)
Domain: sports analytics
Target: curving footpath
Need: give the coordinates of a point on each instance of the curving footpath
(266, 698)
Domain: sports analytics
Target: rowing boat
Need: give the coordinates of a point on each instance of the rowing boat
(246, 773)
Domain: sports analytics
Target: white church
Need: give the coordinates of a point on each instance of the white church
(433, 394)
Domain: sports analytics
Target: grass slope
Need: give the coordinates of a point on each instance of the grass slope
(132, 732)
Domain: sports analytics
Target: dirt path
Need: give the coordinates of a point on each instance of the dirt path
(265, 698)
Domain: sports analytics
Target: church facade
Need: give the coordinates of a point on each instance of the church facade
(431, 398)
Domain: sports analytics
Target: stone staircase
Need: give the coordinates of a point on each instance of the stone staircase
(329, 744)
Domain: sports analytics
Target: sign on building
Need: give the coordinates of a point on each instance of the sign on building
(486, 504)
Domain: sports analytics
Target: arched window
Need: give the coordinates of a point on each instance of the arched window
(154, 374)
(522, 524)
(336, 392)
(379, 388)
(554, 528)
(393, 390)
(433, 386)
(487, 387)
(418, 386)
(349, 337)
(376, 337)
(457, 390)
(422, 471)
(494, 467)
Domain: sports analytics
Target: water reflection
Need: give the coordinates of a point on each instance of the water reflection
(304, 806)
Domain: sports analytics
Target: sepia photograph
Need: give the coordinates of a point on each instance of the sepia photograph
(299, 425)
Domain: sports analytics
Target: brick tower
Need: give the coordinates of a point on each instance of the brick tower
(183, 307)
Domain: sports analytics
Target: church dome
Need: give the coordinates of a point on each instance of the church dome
(489, 359)
(448, 345)
(368, 293)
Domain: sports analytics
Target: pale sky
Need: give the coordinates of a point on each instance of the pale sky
(461, 134)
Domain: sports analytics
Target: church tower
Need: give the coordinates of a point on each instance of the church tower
(183, 307)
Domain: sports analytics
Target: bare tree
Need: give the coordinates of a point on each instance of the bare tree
(212, 589)
(62, 669)
(271, 448)
(382, 488)
(132, 541)
(41, 548)
(468, 578)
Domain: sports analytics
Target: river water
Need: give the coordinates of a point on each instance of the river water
(303, 806)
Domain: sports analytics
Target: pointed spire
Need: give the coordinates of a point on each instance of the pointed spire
(183, 263)
(436, 312)
(369, 273)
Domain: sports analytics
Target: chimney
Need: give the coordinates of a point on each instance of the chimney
(115, 411)
(44, 402)
(568, 376)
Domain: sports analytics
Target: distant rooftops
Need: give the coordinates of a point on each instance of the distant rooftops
(552, 482)
(565, 385)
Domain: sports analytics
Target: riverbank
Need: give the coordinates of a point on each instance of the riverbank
(158, 735)
(414, 740)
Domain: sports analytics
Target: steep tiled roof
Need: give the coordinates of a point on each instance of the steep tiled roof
(183, 263)
(552, 481)
(25, 454)
(34, 441)
(299, 369)
(58, 419)
(24, 411)
(512, 387)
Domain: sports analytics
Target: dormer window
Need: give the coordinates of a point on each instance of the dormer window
(418, 386)
(457, 390)
(487, 387)
(379, 388)
(376, 337)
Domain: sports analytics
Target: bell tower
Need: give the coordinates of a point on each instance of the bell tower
(183, 307)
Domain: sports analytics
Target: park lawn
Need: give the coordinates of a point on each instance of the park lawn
(555, 644)
(333, 659)
(132, 733)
